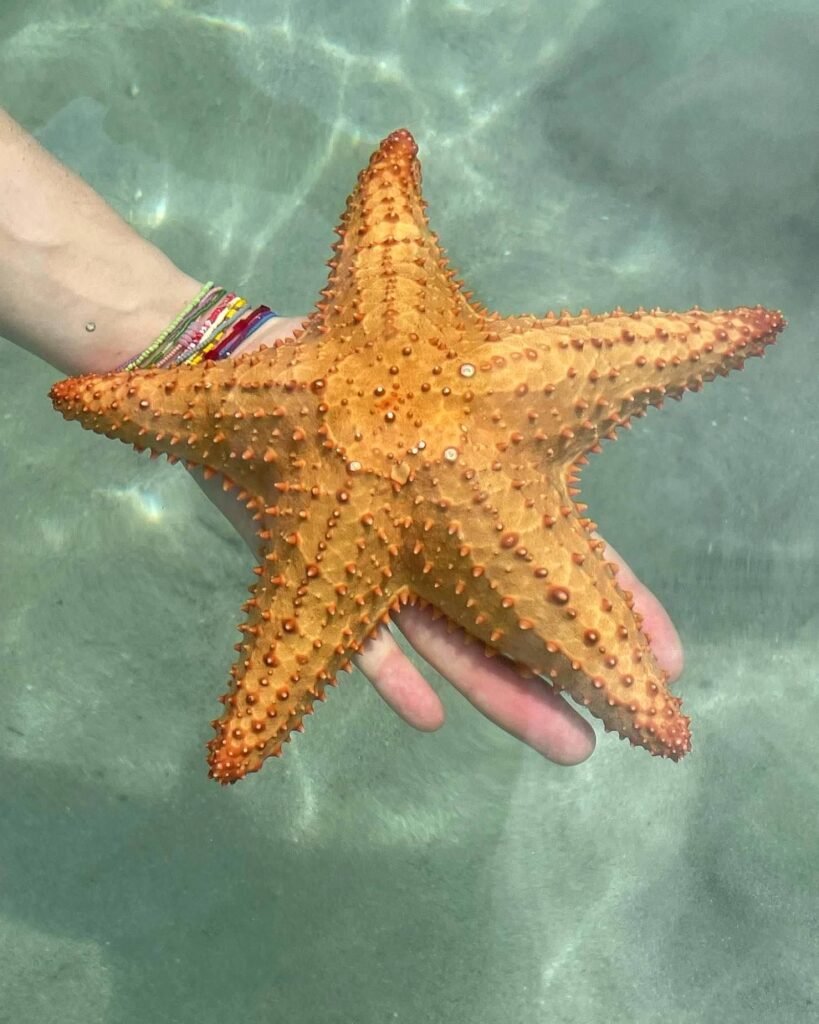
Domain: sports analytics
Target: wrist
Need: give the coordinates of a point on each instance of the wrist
(114, 298)
(214, 324)
(124, 320)
(79, 288)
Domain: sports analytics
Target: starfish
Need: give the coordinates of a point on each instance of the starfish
(409, 446)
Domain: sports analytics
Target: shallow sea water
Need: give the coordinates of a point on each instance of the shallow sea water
(574, 154)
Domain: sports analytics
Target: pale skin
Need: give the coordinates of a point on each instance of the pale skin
(68, 259)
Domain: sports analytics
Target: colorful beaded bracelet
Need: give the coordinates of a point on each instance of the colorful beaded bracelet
(211, 326)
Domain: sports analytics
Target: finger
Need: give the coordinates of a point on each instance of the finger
(399, 682)
(233, 510)
(657, 625)
(527, 708)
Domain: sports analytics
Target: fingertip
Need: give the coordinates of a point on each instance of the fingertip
(569, 739)
(424, 712)
(576, 751)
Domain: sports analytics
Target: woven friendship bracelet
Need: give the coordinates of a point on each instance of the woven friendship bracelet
(211, 326)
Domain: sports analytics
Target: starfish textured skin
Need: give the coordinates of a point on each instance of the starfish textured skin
(410, 446)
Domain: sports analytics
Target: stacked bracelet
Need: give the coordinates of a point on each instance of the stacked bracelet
(212, 325)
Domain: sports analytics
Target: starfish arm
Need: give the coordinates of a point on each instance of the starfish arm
(235, 417)
(517, 568)
(565, 382)
(388, 272)
(325, 584)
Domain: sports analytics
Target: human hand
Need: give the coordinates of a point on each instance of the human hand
(527, 708)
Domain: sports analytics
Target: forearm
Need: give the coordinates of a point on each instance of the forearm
(68, 261)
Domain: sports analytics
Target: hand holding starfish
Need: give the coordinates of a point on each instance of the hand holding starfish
(60, 239)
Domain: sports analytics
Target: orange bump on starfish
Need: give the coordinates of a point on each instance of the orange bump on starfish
(410, 446)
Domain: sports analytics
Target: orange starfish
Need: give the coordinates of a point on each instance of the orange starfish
(407, 446)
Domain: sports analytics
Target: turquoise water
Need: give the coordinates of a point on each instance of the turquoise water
(574, 154)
